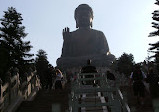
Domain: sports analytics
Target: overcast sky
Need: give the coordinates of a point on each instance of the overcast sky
(125, 23)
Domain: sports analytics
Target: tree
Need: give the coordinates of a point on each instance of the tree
(155, 46)
(12, 35)
(44, 69)
(41, 60)
(125, 63)
(3, 62)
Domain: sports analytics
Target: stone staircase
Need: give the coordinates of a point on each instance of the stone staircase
(47, 101)
(132, 102)
(95, 98)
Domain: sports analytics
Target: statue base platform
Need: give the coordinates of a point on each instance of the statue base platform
(97, 60)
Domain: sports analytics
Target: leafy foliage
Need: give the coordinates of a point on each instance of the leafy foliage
(124, 64)
(44, 69)
(155, 46)
(14, 50)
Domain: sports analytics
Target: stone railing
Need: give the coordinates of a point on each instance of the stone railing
(15, 90)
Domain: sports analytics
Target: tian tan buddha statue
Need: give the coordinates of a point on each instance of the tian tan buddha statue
(84, 43)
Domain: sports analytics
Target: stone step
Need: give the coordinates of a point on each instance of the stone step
(30, 106)
(132, 101)
(45, 101)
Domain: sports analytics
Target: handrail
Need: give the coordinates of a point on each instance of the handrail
(123, 100)
(15, 90)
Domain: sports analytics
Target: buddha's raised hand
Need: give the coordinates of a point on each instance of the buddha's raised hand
(66, 33)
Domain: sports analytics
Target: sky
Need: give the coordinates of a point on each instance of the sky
(125, 23)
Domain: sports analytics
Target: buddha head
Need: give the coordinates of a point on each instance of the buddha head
(83, 16)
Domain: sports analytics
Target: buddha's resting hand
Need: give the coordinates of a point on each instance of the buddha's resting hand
(66, 33)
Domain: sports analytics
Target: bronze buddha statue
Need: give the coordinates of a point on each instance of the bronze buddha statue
(84, 43)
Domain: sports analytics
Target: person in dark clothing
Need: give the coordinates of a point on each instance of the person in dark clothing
(89, 69)
(58, 80)
(153, 80)
(111, 79)
(110, 76)
(49, 81)
(137, 77)
(49, 77)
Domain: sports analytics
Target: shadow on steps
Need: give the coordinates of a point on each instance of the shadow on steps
(46, 99)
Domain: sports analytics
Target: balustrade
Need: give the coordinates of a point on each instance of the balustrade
(15, 90)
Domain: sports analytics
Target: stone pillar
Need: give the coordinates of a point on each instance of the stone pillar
(20, 86)
(30, 71)
(0, 89)
(1, 94)
(8, 80)
(16, 72)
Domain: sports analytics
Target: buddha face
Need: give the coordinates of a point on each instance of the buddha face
(83, 16)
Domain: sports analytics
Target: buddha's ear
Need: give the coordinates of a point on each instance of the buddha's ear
(77, 25)
(91, 24)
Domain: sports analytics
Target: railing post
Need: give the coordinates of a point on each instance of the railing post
(25, 87)
(20, 86)
(27, 84)
(9, 86)
(0, 90)
(16, 72)
(0, 95)
(30, 71)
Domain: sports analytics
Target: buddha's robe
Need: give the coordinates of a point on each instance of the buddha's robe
(85, 42)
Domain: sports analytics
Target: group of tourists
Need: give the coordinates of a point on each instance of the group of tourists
(138, 80)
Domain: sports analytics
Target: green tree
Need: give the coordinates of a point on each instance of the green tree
(44, 69)
(3, 62)
(41, 61)
(12, 35)
(155, 46)
(125, 63)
